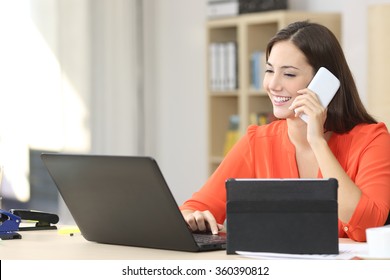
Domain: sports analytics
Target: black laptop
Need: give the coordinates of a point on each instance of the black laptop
(124, 200)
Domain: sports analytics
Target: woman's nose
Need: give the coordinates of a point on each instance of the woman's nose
(274, 82)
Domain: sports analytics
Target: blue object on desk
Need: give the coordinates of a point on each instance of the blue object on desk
(9, 224)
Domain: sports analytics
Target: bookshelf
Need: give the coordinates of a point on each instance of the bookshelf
(378, 43)
(250, 33)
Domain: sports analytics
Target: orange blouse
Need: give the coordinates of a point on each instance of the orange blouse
(266, 152)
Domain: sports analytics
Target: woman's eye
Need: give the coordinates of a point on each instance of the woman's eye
(289, 75)
(268, 71)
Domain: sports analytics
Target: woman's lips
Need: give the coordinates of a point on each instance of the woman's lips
(280, 100)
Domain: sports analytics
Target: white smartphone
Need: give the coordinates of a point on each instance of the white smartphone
(325, 85)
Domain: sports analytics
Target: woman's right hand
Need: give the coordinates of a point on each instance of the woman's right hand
(201, 221)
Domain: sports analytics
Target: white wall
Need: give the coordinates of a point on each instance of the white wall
(112, 57)
(179, 90)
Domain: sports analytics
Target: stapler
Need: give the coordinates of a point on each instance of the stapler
(42, 220)
(9, 224)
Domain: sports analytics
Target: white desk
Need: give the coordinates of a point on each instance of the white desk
(50, 245)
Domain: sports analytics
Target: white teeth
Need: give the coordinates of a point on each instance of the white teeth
(281, 98)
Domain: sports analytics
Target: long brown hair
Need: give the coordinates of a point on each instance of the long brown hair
(322, 49)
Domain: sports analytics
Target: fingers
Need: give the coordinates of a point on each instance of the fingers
(190, 220)
(307, 103)
(202, 221)
(211, 222)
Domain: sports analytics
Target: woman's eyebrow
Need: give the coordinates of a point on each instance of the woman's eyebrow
(284, 66)
(289, 66)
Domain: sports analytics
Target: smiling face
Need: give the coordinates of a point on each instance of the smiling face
(287, 71)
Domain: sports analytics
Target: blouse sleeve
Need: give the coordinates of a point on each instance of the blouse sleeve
(373, 178)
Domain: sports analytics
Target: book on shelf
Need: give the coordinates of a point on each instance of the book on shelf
(223, 66)
(261, 118)
(232, 133)
(257, 70)
(222, 8)
(226, 8)
(231, 65)
(254, 6)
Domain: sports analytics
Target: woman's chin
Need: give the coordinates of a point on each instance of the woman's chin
(283, 114)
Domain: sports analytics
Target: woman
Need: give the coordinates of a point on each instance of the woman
(342, 141)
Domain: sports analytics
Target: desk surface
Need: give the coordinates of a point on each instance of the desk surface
(49, 244)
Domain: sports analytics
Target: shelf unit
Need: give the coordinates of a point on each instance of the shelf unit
(250, 32)
(378, 42)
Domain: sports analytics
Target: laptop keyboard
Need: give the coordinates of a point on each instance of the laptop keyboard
(203, 238)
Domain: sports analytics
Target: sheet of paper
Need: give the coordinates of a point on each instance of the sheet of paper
(347, 252)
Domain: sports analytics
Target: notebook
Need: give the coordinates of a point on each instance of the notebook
(295, 216)
(123, 200)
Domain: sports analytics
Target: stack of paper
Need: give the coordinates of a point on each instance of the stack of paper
(347, 252)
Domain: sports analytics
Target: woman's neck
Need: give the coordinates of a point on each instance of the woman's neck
(297, 133)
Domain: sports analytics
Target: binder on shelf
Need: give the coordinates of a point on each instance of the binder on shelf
(232, 134)
(223, 66)
(213, 58)
(226, 8)
(257, 70)
(231, 66)
(222, 8)
(254, 6)
(222, 54)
